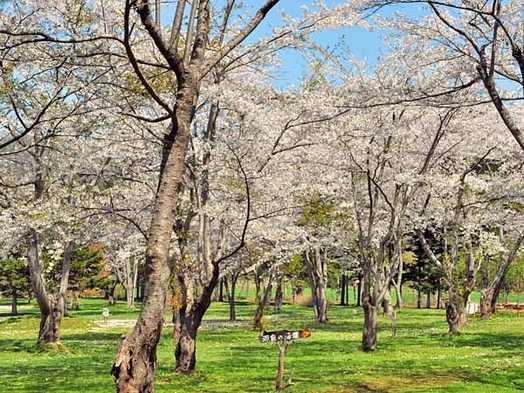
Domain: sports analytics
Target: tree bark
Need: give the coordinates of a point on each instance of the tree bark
(454, 310)
(110, 293)
(190, 320)
(343, 287)
(387, 307)
(51, 307)
(316, 269)
(14, 303)
(259, 314)
(135, 361)
(130, 279)
(489, 294)
(439, 294)
(369, 333)
(279, 296)
(258, 287)
(398, 285)
(230, 293)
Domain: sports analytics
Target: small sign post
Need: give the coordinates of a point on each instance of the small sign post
(105, 314)
(283, 339)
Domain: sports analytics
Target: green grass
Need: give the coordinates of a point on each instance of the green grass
(487, 357)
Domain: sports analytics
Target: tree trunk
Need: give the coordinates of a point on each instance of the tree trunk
(439, 294)
(398, 285)
(135, 361)
(259, 314)
(495, 299)
(75, 304)
(230, 292)
(185, 352)
(14, 303)
(110, 293)
(190, 320)
(369, 333)
(316, 269)
(419, 297)
(454, 311)
(221, 291)
(296, 292)
(279, 296)
(134, 364)
(51, 308)
(258, 287)
(428, 299)
(387, 307)
(130, 279)
(489, 294)
(38, 284)
(486, 299)
(342, 289)
(358, 293)
(64, 283)
(347, 291)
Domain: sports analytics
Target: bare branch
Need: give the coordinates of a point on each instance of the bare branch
(134, 62)
(177, 25)
(241, 36)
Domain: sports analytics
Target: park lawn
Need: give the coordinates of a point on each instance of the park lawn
(487, 357)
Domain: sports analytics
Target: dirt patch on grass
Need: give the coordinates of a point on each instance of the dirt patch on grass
(389, 384)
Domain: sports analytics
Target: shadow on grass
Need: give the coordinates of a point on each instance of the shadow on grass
(495, 340)
(58, 375)
(17, 345)
(93, 336)
(18, 317)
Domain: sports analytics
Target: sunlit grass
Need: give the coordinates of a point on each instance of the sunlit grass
(487, 357)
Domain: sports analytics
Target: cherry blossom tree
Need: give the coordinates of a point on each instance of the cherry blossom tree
(487, 35)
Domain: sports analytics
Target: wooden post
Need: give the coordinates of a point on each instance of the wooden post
(280, 372)
(286, 337)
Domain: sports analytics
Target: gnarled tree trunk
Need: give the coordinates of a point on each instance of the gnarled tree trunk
(52, 307)
(191, 315)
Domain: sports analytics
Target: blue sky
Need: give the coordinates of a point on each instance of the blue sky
(364, 44)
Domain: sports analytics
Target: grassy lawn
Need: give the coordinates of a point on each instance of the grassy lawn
(487, 357)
